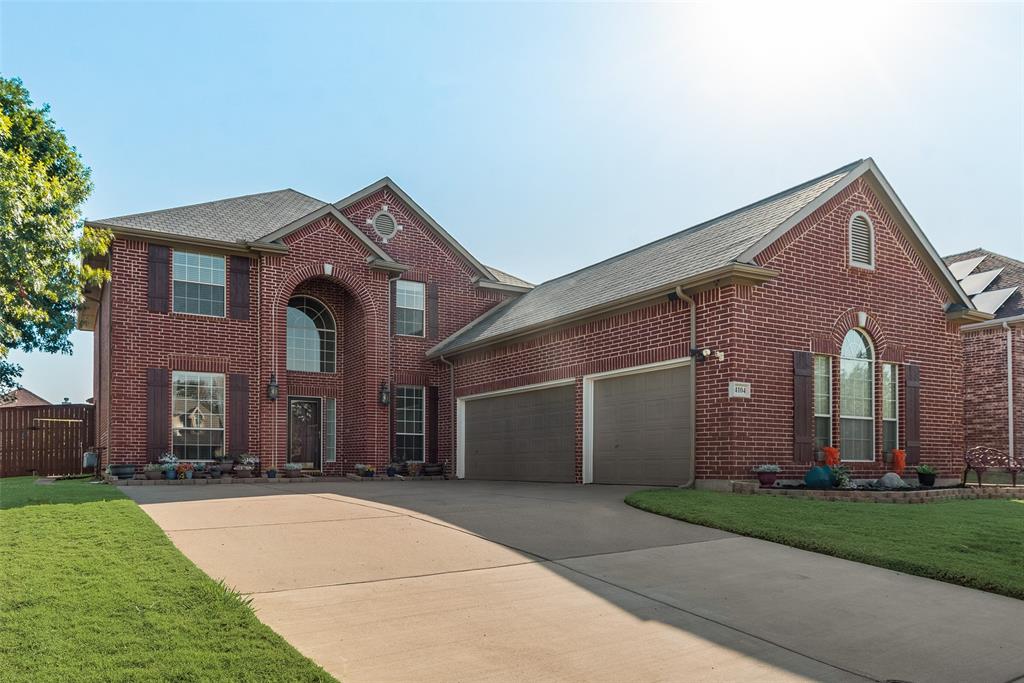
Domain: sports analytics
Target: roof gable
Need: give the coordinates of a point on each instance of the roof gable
(387, 183)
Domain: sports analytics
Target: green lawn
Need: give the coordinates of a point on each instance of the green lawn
(92, 590)
(976, 543)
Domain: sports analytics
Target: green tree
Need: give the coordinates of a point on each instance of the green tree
(43, 240)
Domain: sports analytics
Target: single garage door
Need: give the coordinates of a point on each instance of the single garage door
(642, 428)
(526, 436)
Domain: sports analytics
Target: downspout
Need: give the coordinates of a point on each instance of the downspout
(693, 382)
(452, 455)
(1009, 388)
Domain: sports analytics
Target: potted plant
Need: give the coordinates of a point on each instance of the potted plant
(199, 470)
(122, 471)
(271, 473)
(245, 464)
(169, 465)
(767, 474)
(154, 470)
(226, 465)
(184, 470)
(926, 475)
(292, 470)
(414, 467)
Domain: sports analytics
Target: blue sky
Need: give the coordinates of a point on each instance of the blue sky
(544, 137)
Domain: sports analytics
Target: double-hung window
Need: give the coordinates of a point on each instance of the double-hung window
(409, 307)
(197, 415)
(408, 424)
(822, 401)
(198, 283)
(890, 408)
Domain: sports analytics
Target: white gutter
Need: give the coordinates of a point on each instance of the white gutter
(1009, 388)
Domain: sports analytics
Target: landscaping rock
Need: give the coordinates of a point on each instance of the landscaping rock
(891, 480)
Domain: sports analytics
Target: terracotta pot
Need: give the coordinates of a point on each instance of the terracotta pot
(767, 479)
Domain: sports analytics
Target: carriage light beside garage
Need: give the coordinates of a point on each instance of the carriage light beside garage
(272, 388)
(384, 394)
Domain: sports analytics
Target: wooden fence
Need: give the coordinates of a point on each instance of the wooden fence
(45, 439)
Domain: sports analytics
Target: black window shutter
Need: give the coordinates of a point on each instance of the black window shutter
(238, 414)
(912, 401)
(803, 402)
(240, 287)
(432, 415)
(159, 273)
(432, 310)
(158, 413)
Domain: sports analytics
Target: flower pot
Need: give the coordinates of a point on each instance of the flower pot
(271, 474)
(122, 471)
(392, 471)
(188, 474)
(226, 467)
(925, 479)
(154, 474)
(243, 472)
(170, 474)
(292, 474)
(767, 479)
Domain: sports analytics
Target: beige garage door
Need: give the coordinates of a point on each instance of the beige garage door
(527, 436)
(642, 428)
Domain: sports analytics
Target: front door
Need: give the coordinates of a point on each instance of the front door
(304, 442)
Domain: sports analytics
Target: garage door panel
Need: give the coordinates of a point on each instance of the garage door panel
(641, 426)
(526, 436)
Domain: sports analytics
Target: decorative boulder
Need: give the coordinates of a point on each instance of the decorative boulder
(818, 478)
(891, 480)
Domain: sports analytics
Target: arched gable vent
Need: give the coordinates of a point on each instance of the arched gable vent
(862, 241)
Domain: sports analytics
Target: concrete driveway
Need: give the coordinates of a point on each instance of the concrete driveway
(482, 581)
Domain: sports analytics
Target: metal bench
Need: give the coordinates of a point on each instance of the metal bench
(981, 458)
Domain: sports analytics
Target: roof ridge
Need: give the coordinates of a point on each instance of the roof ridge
(710, 221)
(212, 201)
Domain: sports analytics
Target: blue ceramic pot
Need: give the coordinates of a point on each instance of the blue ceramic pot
(171, 474)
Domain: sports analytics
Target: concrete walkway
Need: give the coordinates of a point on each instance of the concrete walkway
(481, 581)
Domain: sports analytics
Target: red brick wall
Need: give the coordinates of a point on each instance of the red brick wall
(986, 396)
(810, 306)
(360, 301)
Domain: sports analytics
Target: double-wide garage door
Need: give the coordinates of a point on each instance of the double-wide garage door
(639, 428)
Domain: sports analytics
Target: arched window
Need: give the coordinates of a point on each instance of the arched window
(310, 335)
(857, 397)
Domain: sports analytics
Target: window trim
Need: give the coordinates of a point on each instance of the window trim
(223, 286)
(423, 422)
(874, 384)
(849, 241)
(224, 407)
(828, 415)
(896, 399)
(423, 311)
(334, 343)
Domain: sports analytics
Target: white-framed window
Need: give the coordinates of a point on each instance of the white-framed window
(890, 408)
(311, 336)
(822, 401)
(197, 415)
(857, 397)
(198, 283)
(862, 241)
(408, 424)
(409, 306)
(330, 430)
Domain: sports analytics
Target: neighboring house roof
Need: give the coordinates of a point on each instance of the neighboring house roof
(998, 279)
(508, 279)
(22, 397)
(728, 242)
(234, 220)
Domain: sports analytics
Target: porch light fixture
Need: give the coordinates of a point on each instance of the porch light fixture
(272, 388)
(384, 394)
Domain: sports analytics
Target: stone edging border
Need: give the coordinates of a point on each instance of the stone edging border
(867, 496)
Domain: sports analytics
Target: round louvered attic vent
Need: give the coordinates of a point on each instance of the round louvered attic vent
(384, 224)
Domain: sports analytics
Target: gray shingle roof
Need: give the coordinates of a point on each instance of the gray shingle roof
(1011, 275)
(508, 279)
(662, 263)
(238, 219)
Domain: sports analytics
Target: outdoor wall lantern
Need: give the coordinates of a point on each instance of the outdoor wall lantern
(384, 395)
(272, 388)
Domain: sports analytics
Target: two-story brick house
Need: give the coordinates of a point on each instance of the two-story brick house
(361, 332)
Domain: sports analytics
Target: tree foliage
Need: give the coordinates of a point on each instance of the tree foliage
(43, 240)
